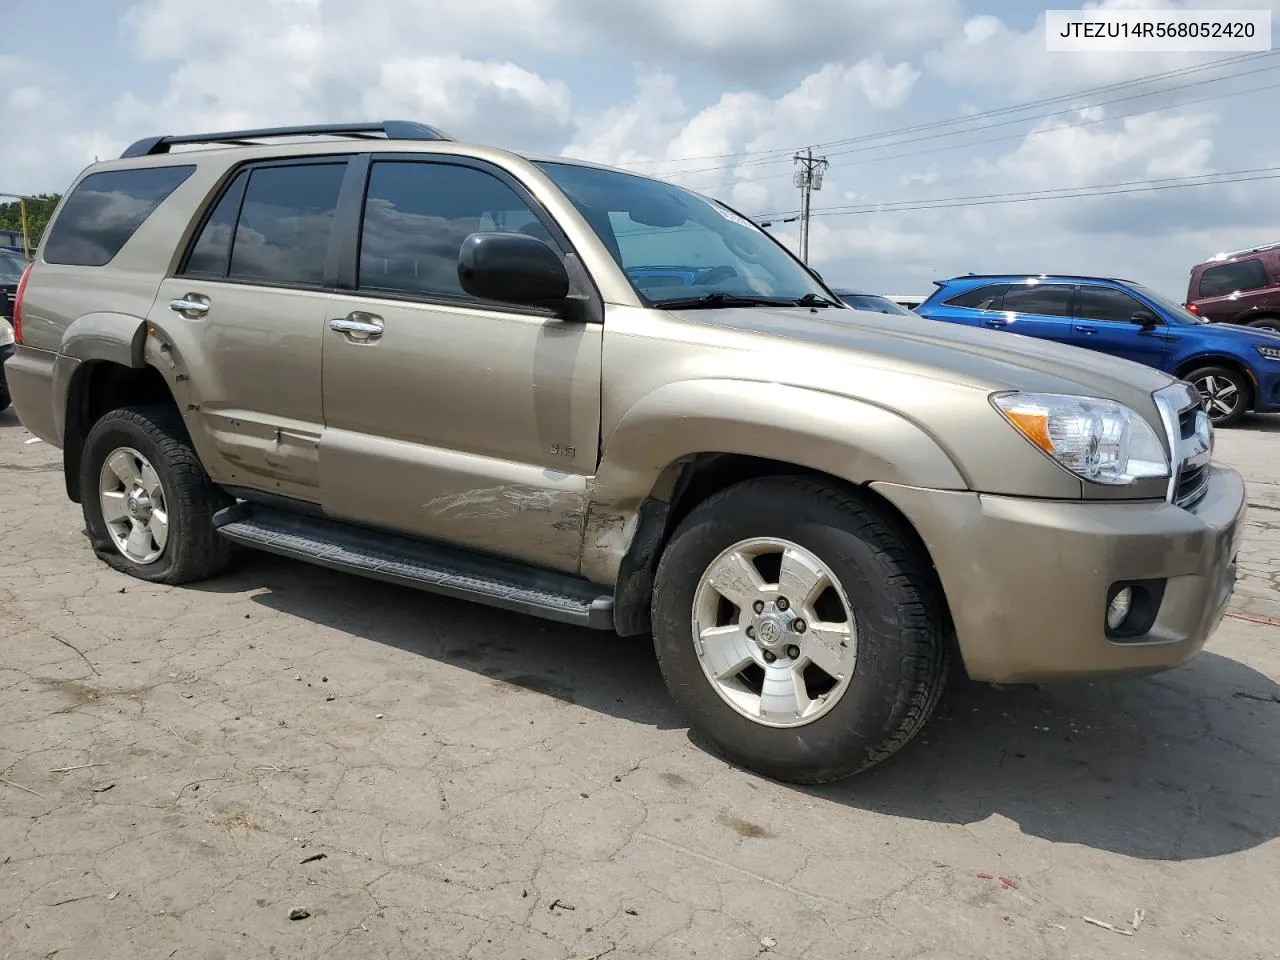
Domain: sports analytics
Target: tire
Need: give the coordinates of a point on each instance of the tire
(897, 610)
(1212, 382)
(5, 399)
(192, 549)
(1267, 323)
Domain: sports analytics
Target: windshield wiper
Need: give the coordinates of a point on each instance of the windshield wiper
(813, 300)
(713, 301)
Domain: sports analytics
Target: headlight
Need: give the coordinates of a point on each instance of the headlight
(6, 332)
(1098, 440)
(1271, 353)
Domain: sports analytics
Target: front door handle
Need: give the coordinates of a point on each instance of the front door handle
(191, 305)
(358, 326)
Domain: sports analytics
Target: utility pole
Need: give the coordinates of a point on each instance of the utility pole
(808, 178)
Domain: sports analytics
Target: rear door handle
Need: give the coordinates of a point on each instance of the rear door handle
(994, 322)
(190, 305)
(358, 326)
(1082, 328)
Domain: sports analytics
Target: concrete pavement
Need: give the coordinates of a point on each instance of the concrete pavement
(182, 767)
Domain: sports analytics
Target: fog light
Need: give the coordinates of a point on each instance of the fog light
(1119, 609)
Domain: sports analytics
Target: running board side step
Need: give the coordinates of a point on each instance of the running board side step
(494, 582)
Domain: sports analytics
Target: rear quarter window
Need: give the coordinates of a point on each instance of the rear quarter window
(980, 298)
(1221, 281)
(105, 210)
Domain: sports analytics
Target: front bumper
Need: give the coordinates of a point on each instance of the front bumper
(1027, 581)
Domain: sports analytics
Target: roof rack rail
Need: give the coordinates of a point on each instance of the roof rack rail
(1240, 253)
(1047, 276)
(390, 129)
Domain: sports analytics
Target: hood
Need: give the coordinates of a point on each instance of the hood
(989, 360)
(1238, 333)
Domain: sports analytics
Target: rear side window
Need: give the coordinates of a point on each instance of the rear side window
(980, 298)
(416, 217)
(286, 220)
(212, 249)
(1042, 299)
(1229, 277)
(105, 210)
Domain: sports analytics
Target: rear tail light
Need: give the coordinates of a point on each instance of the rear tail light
(17, 304)
(1193, 308)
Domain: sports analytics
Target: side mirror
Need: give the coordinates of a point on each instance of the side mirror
(1148, 321)
(512, 268)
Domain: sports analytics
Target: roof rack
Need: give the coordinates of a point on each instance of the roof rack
(1240, 253)
(390, 129)
(1047, 276)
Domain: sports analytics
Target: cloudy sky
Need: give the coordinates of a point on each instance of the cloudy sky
(716, 95)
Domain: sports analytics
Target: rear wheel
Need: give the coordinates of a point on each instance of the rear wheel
(1267, 323)
(147, 501)
(4, 396)
(1224, 393)
(799, 629)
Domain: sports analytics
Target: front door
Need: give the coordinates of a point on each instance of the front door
(242, 324)
(455, 419)
(1111, 321)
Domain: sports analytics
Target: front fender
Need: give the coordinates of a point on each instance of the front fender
(850, 439)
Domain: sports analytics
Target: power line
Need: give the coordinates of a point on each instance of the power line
(1023, 135)
(769, 161)
(1059, 193)
(986, 114)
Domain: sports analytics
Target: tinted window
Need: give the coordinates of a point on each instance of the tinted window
(11, 267)
(1230, 277)
(874, 304)
(416, 217)
(1104, 303)
(285, 223)
(212, 248)
(105, 210)
(981, 298)
(1053, 300)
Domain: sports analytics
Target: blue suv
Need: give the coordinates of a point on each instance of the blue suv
(1236, 369)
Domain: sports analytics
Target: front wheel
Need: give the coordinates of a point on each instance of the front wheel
(147, 500)
(1224, 394)
(799, 628)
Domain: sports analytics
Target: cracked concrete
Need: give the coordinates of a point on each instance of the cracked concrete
(171, 757)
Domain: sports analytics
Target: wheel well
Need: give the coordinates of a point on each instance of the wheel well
(97, 388)
(690, 482)
(1185, 370)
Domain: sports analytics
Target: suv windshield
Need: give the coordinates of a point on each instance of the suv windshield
(11, 267)
(1177, 312)
(675, 245)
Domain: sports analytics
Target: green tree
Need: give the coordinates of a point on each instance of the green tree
(39, 210)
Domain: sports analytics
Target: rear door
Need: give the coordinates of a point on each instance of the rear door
(1040, 310)
(245, 319)
(1111, 321)
(972, 308)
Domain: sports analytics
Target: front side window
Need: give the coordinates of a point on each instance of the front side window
(1230, 278)
(105, 210)
(417, 215)
(286, 219)
(673, 244)
(1106, 303)
(1041, 299)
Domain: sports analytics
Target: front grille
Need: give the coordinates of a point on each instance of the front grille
(1187, 423)
(1192, 484)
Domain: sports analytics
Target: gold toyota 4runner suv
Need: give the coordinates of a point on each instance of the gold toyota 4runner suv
(598, 398)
